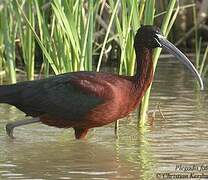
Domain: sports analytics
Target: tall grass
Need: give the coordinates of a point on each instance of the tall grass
(114, 10)
(8, 31)
(27, 38)
(201, 62)
(66, 40)
(204, 66)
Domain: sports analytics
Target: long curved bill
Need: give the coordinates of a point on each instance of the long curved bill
(180, 56)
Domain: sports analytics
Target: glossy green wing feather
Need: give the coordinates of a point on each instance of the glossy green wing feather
(55, 96)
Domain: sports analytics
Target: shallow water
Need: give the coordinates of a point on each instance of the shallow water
(170, 146)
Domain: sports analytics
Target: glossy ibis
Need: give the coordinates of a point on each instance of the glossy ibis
(84, 100)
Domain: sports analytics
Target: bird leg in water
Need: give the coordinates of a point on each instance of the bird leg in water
(116, 129)
(10, 126)
(80, 133)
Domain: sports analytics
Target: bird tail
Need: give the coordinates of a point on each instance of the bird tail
(9, 94)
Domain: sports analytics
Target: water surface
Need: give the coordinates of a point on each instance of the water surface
(181, 139)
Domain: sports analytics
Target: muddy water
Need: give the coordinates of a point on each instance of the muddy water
(166, 148)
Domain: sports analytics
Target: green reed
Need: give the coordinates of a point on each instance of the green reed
(201, 61)
(8, 31)
(27, 38)
(67, 41)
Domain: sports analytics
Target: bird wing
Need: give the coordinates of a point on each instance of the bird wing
(65, 97)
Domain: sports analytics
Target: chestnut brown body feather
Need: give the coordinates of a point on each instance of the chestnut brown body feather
(121, 95)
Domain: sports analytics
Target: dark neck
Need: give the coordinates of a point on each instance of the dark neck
(144, 72)
(143, 77)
